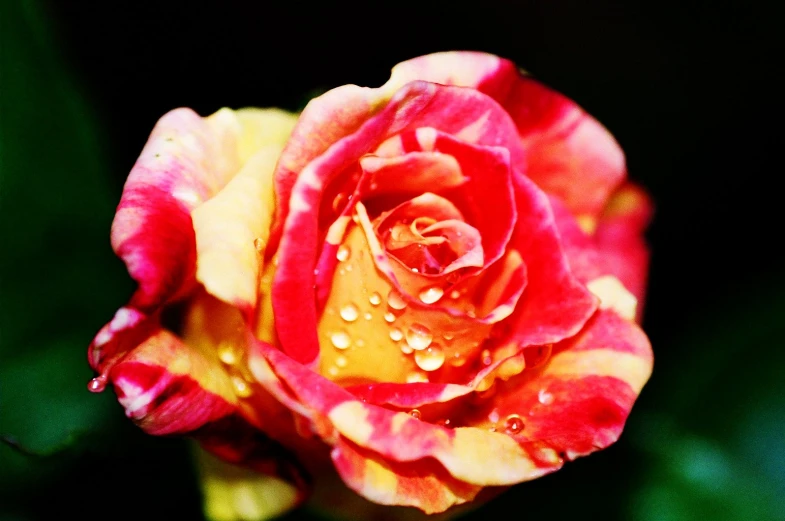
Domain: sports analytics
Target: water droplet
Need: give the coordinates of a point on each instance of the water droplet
(493, 417)
(429, 359)
(395, 300)
(340, 339)
(367, 316)
(339, 201)
(514, 424)
(415, 270)
(431, 295)
(413, 378)
(448, 336)
(332, 371)
(227, 354)
(97, 384)
(375, 299)
(415, 414)
(343, 253)
(350, 312)
(486, 357)
(457, 360)
(405, 349)
(544, 397)
(389, 317)
(341, 361)
(258, 243)
(241, 387)
(316, 271)
(396, 334)
(418, 336)
(455, 294)
(445, 423)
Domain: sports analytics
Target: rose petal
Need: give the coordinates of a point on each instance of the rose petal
(568, 153)
(166, 387)
(186, 160)
(233, 227)
(578, 401)
(422, 484)
(449, 109)
(555, 304)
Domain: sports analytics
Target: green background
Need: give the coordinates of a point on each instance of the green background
(687, 89)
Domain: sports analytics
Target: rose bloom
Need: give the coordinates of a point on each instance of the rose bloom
(426, 290)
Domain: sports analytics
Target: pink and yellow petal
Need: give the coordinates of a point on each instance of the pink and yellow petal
(421, 484)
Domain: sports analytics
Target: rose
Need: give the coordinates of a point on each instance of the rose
(430, 287)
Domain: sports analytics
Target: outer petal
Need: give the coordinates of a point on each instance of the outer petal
(233, 227)
(569, 154)
(579, 401)
(185, 162)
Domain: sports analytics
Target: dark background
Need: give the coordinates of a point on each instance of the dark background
(688, 89)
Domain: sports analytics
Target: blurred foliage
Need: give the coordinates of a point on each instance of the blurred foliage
(704, 442)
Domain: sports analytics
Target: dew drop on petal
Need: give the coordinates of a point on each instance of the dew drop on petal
(389, 317)
(418, 337)
(367, 316)
(514, 424)
(413, 378)
(339, 201)
(448, 336)
(341, 361)
(241, 387)
(343, 253)
(396, 334)
(493, 417)
(455, 294)
(375, 299)
(332, 371)
(258, 243)
(544, 397)
(405, 349)
(227, 354)
(415, 414)
(97, 384)
(486, 357)
(349, 312)
(431, 295)
(395, 300)
(429, 359)
(340, 339)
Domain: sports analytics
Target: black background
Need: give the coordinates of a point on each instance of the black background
(689, 91)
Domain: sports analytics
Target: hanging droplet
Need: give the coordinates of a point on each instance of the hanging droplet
(414, 413)
(544, 397)
(375, 299)
(485, 356)
(396, 334)
(395, 300)
(429, 359)
(97, 384)
(413, 378)
(341, 361)
(341, 339)
(431, 295)
(258, 243)
(367, 316)
(343, 253)
(514, 424)
(241, 387)
(350, 312)
(418, 336)
(227, 354)
(389, 317)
